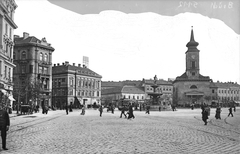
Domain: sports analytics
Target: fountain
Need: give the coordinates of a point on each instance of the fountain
(154, 96)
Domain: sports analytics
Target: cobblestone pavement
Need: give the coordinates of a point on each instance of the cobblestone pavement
(158, 133)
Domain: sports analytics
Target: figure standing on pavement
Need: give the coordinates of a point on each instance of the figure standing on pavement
(123, 112)
(230, 112)
(83, 110)
(100, 110)
(130, 112)
(4, 126)
(205, 116)
(218, 112)
(66, 108)
(148, 109)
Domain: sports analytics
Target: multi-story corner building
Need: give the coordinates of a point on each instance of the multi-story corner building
(191, 86)
(75, 85)
(7, 26)
(224, 93)
(33, 72)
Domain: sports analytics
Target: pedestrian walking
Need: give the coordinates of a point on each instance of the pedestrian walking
(205, 116)
(100, 110)
(66, 109)
(112, 108)
(130, 112)
(83, 110)
(148, 109)
(234, 108)
(4, 126)
(123, 112)
(230, 112)
(218, 112)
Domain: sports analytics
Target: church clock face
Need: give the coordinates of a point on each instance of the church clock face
(193, 56)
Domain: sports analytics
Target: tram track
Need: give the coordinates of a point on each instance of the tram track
(32, 123)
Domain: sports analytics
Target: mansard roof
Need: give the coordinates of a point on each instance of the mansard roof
(63, 69)
(32, 40)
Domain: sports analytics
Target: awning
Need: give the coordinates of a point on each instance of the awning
(11, 98)
(194, 93)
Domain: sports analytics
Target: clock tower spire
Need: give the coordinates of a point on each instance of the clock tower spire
(192, 58)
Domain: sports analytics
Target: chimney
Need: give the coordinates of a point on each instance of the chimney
(79, 65)
(57, 64)
(66, 63)
(16, 36)
(73, 64)
(25, 35)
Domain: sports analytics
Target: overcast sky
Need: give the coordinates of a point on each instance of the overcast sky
(132, 46)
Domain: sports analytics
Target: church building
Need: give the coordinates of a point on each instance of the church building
(191, 86)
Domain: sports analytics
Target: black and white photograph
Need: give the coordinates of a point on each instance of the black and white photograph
(120, 76)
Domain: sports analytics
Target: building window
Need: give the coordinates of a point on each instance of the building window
(6, 29)
(193, 87)
(212, 90)
(30, 68)
(40, 69)
(9, 73)
(98, 94)
(129, 97)
(14, 55)
(45, 70)
(41, 57)
(45, 57)
(23, 69)
(23, 55)
(63, 79)
(193, 73)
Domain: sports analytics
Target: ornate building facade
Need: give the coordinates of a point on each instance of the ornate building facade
(191, 86)
(75, 85)
(7, 26)
(33, 72)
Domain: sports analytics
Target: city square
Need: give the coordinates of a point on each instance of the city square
(181, 131)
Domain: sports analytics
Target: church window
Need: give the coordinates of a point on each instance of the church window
(193, 65)
(193, 87)
(193, 73)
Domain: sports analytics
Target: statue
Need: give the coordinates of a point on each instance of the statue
(155, 79)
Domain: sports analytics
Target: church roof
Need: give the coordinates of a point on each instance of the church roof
(192, 42)
(184, 77)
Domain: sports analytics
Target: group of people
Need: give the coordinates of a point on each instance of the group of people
(206, 112)
(128, 115)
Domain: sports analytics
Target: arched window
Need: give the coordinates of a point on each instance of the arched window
(41, 57)
(45, 57)
(24, 55)
(193, 87)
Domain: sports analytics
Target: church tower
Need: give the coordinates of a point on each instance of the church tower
(192, 58)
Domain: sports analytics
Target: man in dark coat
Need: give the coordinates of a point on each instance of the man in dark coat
(100, 110)
(4, 126)
(148, 109)
(230, 112)
(130, 112)
(218, 112)
(66, 109)
(205, 116)
(123, 112)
